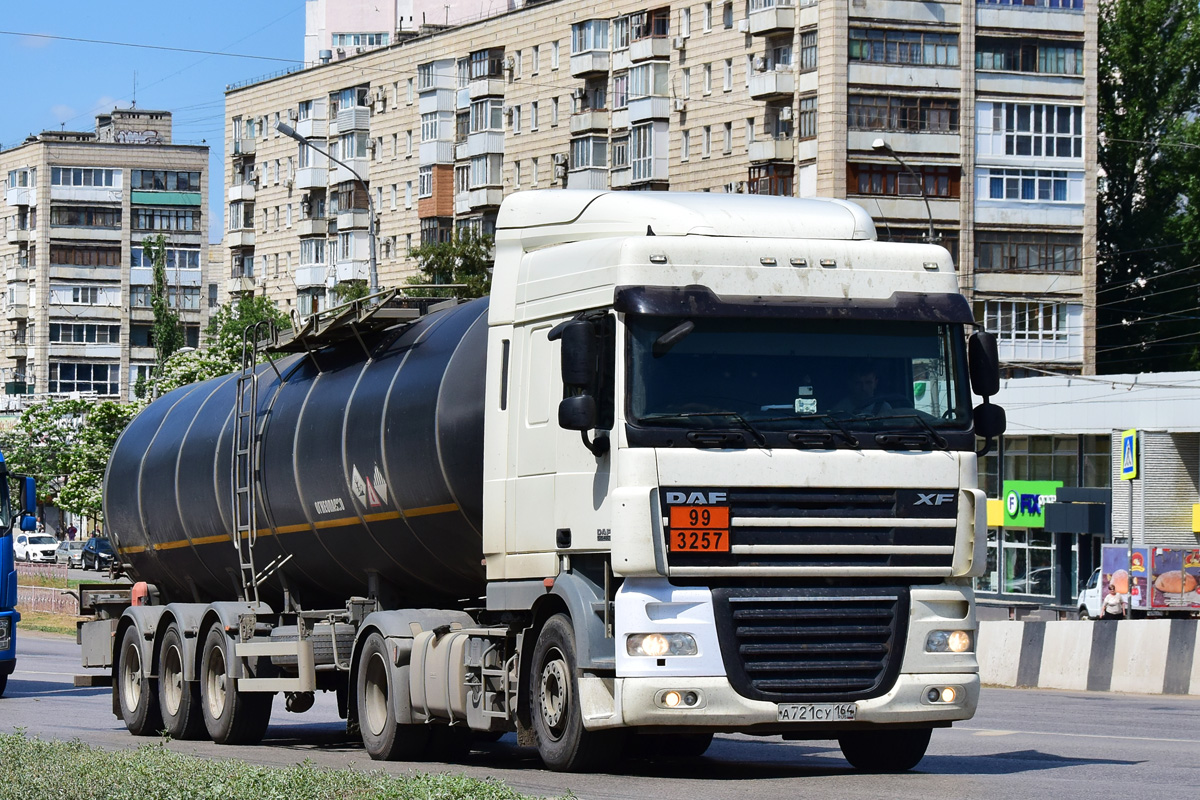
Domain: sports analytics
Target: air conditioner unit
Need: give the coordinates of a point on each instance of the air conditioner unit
(678, 43)
(741, 187)
(743, 26)
(785, 113)
(288, 183)
(358, 50)
(560, 159)
(577, 94)
(679, 104)
(293, 115)
(760, 64)
(510, 63)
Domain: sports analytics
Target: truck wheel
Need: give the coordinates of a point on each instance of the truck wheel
(885, 751)
(384, 738)
(135, 691)
(178, 699)
(563, 743)
(231, 717)
(1083, 613)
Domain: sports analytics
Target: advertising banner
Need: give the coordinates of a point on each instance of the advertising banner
(1175, 576)
(1129, 579)
(1025, 502)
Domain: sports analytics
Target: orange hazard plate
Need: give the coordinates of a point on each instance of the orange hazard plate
(699, 529)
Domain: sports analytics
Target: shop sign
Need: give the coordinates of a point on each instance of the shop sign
(1025, 502)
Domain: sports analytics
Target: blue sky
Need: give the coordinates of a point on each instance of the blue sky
(52, 82)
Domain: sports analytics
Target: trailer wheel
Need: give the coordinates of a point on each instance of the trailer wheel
(231, 717)
(178, 699)
(383, 737)
(885, 751)
(136, 692)
(563, 743)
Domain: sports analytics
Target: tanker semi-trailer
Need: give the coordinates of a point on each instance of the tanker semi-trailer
(699, 464)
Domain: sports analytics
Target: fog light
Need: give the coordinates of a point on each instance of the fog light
(948, 642)
(690, 699)
(671, 699)
(933, 695)
(949, 695)
(658, 645)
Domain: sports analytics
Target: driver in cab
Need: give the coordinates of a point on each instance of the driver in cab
(861, 396)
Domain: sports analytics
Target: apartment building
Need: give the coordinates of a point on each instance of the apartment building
(77, 207)
(972, 124)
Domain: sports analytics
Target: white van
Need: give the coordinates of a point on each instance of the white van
(1090, 597)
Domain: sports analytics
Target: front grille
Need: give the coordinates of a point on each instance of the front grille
(812, 644)
(807, 532)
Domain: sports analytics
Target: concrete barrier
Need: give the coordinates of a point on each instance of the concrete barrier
(1147, 656)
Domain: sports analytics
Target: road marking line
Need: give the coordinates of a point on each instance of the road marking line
(998, 732)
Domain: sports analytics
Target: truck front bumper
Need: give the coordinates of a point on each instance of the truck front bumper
(636, 702)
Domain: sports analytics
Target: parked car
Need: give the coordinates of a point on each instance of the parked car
(97, 553)
(1091, 597)
(69, 553)
(34, 548)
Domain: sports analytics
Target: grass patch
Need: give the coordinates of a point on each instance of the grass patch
(53, 769)
(45, 621)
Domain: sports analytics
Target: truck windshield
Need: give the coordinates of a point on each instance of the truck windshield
(798, 375)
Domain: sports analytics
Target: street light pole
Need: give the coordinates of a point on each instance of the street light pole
(290, 132)
(880, 146)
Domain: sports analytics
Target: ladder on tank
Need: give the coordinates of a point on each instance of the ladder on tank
(245, 459)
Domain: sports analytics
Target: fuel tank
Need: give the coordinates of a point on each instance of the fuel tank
(371, 473)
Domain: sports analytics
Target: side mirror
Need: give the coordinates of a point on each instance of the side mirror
(990, 420)
(578, 354)
(28, 523)
(577, 413)
(28, 496)
(984, 363)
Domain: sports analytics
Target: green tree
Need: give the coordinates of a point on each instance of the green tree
(350, 290)
(223, 336)
(87, 456)
(168, 332)
(1149, 228)
(466, 259)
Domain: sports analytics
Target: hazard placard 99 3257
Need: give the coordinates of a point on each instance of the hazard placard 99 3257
(702, 529)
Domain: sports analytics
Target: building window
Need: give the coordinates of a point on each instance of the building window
(1020, 55)
(620, 96)
(487, 115)
(1028, 251)
(487, 63)
(708, 78)
(166, 219)
(1029, 185)
(359, 39)
(1028, 321)
(807, 118)
(88, 378)
(650, 24)
(649, 79)
(808, 51)
(516, 119)
(533, 115)
(312, 252)
(706, 141)
(918, 48)
(685, 145)
(177, 258)
(685, 22)
(487, 170)
(1076, 5)
(589, 35)
(620, 152)
(727, 15)
(620, 32)
(771, 179)
(1039, 130)
(727, 138)
(436, 230)
(425, 181)
(708, 17)
(589, 152)
(553, 111)
(641, 141)
(81, 176)
(554, 55)
(84, 217)
(727, 74)
(902, 114)
(891, 180)
(84, 256)
(685, 83)
(429, 127)
(84, 333)
(536, 59)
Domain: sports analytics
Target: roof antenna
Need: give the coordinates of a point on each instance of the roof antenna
(134, 103)
(649, 231)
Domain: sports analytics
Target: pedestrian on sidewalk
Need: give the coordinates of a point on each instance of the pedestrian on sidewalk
(1113, 606)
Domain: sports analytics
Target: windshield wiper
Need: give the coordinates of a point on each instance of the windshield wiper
(850, 438)
(742, 422)
(935, 437)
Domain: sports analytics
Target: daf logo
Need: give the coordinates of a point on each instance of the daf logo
(933, 498)
(696, 498)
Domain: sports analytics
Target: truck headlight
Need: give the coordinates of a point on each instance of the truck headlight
(4, 627)
(948, 642)
(658, 645)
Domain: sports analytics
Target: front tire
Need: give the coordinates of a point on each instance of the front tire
(178, 700)
(383, 737)
(230, 716)
(1083, 613)
(885, 751)
(136, 692)
(563, 743)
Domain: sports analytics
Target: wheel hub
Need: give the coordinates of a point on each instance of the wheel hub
(553, 692)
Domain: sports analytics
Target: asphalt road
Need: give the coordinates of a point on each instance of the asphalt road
(1023, 743)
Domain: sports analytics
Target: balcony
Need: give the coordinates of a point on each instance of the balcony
(771, 16)
(312, 128)
(485, 197)
(240, 238)
(312, 177)
(360, 165)
(241, 191)
(436, 152)
(460, 150)
(650, 48)
(15, 345)
(462, 202)
(588, 178)
(772, 150)
(773, 85)
(446, 102)
(243, 147)
(485, 87)
(312, 227)
(485, 143)
(90, 194)
(590, 62)
(620, 177)
(620, 119)
(354, 118)
(239, 285)
(589, 120)
(21, 196)
(311, 275)
(352, 218)
(355, 270)
(646, 108)
(19, 235)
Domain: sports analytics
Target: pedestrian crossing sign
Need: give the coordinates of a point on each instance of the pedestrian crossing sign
(1129, 455)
